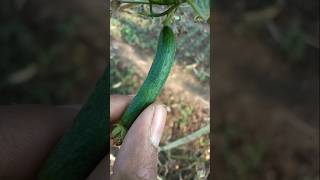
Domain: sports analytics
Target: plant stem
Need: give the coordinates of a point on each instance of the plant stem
(163, 13)
(141, 2)
(203, 131)
(195, 8)
(135, 2)
(170, 15)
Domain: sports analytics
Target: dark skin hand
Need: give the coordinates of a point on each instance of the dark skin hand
(29, 132)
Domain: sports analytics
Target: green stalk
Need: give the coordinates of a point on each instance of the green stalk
(166, 12)
(135, 2)
(166, 2)
(187, 139)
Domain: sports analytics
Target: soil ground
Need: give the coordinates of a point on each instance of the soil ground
(265, 104)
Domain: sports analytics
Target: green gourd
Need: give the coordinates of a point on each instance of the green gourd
(151, 87)
(86, 143)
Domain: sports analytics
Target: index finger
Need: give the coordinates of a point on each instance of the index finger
(118, 104)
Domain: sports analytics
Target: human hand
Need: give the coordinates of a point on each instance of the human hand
(29, 132)
(138, 156)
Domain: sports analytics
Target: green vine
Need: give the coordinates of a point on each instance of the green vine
(169, 12)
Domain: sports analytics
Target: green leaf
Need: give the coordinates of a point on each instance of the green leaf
(201, 8)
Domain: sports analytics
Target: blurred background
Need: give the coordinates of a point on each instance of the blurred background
(265, 78)
(52, 52)
(133, 43)
(265, 90)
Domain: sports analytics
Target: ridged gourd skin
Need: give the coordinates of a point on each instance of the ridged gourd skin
(151, 87)
(86, 143)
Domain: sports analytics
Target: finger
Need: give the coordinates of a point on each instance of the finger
(138, 155)
(118, 104)
(27, 134)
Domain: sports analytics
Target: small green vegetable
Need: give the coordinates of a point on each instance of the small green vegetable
(152, 85)
(86, 143)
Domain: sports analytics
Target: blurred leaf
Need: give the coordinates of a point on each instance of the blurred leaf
(201, 8)
(23, 75)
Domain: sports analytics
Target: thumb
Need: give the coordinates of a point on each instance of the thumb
(138, 155)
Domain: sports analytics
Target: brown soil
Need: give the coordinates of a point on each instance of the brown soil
(269, 100)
